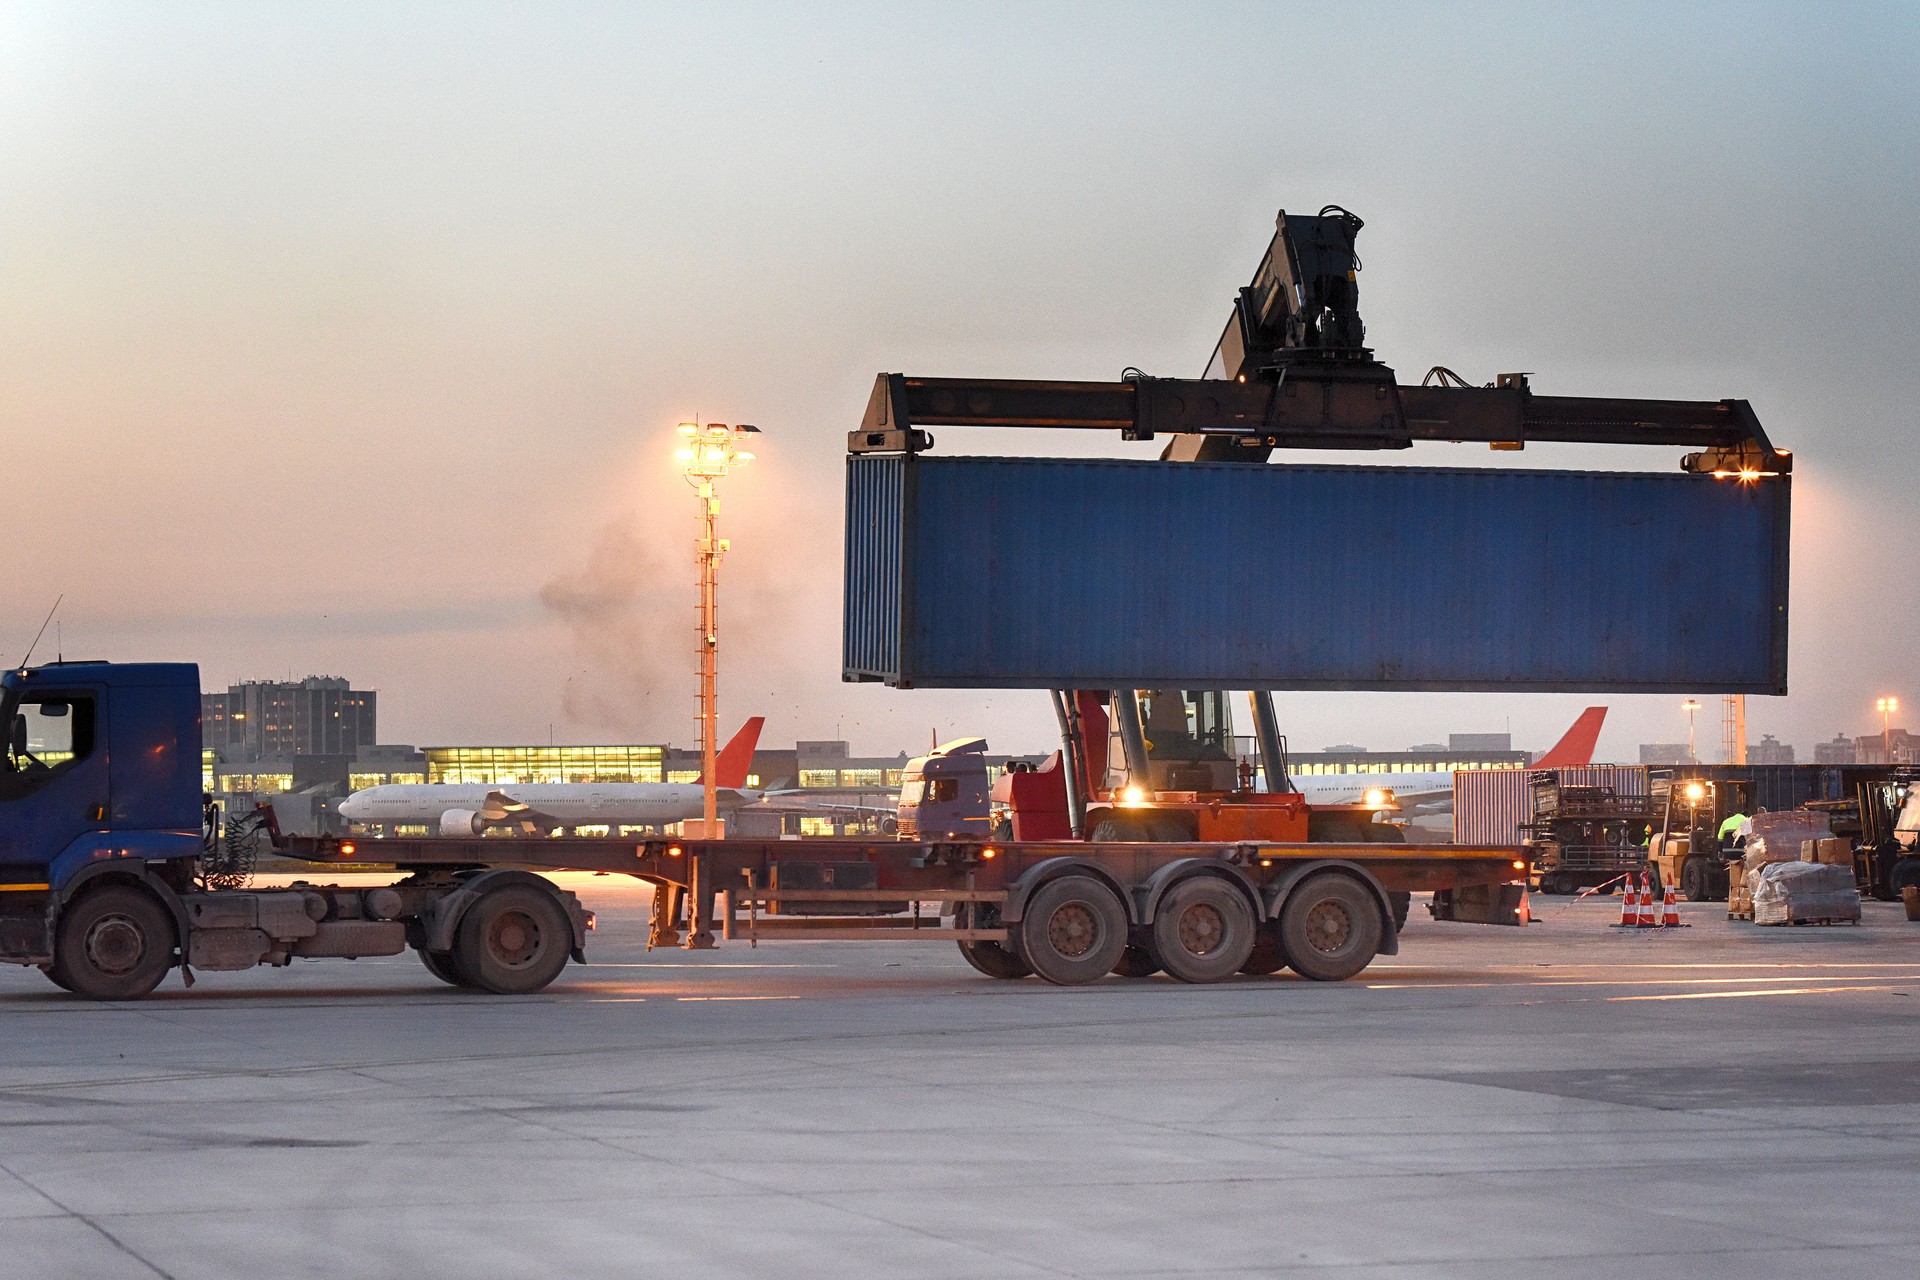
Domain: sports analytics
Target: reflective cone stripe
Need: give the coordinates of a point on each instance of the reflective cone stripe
(1669, 910)
(1646, 920)
(1629, 907)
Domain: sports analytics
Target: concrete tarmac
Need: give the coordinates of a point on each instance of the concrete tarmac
(1565, 1100)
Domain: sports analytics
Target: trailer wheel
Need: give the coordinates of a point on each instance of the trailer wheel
(115, 943)
(1402, 903)
(1203, 930)
(442, 965)
(994, 959)
(55, 978)
(1330, 927)
(1267, 956)
(1073, 931)
(1137, 962)
(513, 941)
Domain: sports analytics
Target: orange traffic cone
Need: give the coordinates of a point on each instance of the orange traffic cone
(1629, 906)
(1646, 918)
(1670, 910)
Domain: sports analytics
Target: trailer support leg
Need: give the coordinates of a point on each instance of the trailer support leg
(665, 930)
(699, 905)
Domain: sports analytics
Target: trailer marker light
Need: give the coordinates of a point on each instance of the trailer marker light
(674, 851)
(989, 853)
(1133, 797)
(346, 848)
(1518, 865)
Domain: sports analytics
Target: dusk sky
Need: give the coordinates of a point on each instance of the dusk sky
(350, 339)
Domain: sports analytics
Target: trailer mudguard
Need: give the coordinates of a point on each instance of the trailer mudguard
(1039, 873)
(441, 918)
(1148, 894)
(1276, 895)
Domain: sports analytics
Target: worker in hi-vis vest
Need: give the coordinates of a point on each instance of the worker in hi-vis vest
(1730, 830)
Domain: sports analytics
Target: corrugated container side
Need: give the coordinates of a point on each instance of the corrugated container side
(1779, 786)
(1034, 573)
(1490, 804)
(878, 508)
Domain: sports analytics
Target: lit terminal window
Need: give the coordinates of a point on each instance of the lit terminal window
(861, 777)
(498, 766)
(683, 775)
(816, 827)
(819, 778)
(206, 770)
(895, 777)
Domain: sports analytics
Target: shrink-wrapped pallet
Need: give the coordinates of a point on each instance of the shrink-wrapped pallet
(1777, 837)
(1798, 892)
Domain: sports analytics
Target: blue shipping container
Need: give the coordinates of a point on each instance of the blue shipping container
(1063, 573)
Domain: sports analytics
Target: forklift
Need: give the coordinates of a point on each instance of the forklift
(1882, 818)
(1686, 850)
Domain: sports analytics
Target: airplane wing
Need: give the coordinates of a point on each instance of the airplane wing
(499, 806)
(779, 802)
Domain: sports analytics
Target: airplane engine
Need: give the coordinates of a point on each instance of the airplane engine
(461, 822)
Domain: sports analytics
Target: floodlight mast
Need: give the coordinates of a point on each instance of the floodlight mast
(707, 454)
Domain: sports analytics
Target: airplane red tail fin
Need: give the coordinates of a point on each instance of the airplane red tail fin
(1576, 747)
(731, 765)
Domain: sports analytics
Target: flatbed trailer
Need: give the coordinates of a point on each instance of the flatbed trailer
(1068, 911)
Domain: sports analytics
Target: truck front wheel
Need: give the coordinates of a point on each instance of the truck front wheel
(443, 966)
(1330, 927)
(115, 943)
(513, 941)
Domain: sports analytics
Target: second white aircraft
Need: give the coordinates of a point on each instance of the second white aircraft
(537, 808)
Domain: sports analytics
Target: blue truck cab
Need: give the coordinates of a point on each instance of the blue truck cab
(102, 824)
(100, 778)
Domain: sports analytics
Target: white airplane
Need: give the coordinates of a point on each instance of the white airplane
(538, 808)
(1432, 787)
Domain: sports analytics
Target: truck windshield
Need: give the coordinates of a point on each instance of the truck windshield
(910, 791)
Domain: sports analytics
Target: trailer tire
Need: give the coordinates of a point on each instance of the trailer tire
(1073, 930)
(1203, 930)
(995, 959)
(115, 943)
(55, 978)
(1137, 962)
(513, 941)
(1267, 956)
(1331, 927)
(1402, 904)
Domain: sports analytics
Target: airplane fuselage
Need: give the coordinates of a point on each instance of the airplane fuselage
(544, 804)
